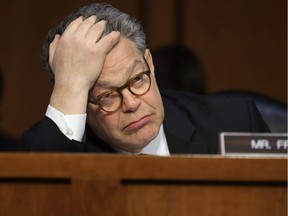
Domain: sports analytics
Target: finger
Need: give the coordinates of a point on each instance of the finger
(83, 28)
(53, 47)
(73, 25)
(96, 31)
(106, 43)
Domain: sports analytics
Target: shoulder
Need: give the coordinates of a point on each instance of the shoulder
(221, 112)
(204, 103)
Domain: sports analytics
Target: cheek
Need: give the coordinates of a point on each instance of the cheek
(155, 97)
(94, 117)
(99, 122)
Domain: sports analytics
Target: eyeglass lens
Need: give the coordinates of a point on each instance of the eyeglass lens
(137, 85)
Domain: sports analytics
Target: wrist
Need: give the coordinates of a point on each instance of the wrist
(69, 99)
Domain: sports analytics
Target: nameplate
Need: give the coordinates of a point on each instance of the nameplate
(253, 144)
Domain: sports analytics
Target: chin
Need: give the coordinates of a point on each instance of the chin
(136, 143)
(146, 137)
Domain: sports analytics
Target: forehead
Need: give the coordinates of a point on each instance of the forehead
(121, 62)
(124, 51)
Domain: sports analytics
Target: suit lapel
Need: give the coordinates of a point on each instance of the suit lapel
(179, 129)
(95, 144)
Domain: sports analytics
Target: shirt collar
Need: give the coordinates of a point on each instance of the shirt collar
(158, 146)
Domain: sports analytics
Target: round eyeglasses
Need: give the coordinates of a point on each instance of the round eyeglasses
(112, 100)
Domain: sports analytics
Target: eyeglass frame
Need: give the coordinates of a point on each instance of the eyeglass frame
(121, 88)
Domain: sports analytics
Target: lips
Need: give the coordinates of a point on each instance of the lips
(136, 125)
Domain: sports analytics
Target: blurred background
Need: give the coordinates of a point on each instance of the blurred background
(241, 45)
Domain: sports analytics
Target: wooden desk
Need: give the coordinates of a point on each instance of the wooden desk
(89, 184)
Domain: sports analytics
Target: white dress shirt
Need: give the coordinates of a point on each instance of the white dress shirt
(73, 126)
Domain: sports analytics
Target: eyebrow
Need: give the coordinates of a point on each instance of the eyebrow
(105, 84)
(134, 64)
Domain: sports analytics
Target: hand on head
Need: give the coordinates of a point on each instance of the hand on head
(77, 58)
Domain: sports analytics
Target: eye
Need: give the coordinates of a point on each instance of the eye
(108, 98)
(137, 81)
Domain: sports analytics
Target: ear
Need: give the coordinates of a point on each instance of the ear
(148, 57)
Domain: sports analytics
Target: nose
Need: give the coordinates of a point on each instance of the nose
(130, 102)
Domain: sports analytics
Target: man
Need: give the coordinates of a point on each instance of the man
(104, 75)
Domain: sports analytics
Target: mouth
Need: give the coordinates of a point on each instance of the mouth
(136, 125)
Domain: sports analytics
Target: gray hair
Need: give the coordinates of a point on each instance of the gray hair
(116, 21)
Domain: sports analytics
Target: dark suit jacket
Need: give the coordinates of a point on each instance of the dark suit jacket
(192, 124)
(8, 143)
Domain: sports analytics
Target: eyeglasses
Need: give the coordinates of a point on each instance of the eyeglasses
(112, 100)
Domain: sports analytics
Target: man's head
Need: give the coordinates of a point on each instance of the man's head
(116, 21)
(138, 119)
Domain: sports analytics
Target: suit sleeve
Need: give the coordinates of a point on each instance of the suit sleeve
(45, 136)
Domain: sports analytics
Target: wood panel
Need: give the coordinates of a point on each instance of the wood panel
(210, 199)
(28, 197)
(242, 44)
(160, 22)
(88, 184)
